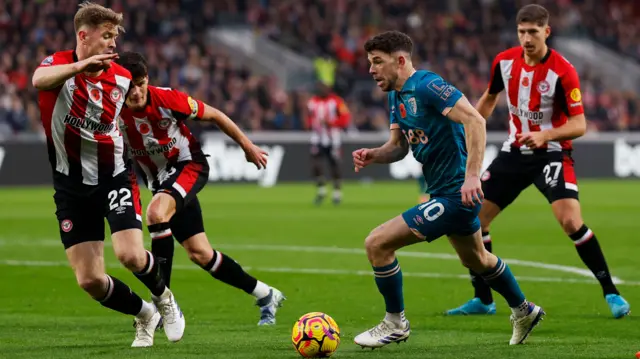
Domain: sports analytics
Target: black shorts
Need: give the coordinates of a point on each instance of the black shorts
(183, 181)
(81, 209)
(187, 222)
(330, 152)
(511, 172)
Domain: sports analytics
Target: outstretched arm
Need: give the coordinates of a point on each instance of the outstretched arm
(49, 75)
(212, 114)
(254, 154)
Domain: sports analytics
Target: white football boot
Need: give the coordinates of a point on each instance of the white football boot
(522, 326)
(145, 329)
(383, 334)
(269, 306)
(172, 317)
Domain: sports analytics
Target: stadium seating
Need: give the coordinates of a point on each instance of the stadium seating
(459, 45)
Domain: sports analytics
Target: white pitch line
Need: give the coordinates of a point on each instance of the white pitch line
(339, 250)
(321, 271)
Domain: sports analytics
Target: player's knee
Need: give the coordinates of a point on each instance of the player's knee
(94, 285)
(200, 256)
(133, 261)
(156, 215)
(570, 224)
(374, 245)
(476, 261)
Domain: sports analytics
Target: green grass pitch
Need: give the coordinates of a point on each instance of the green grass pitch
(315, 256)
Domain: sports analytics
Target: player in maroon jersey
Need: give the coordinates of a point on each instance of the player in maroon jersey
(153, 122)
(80, 95)
(546, 113)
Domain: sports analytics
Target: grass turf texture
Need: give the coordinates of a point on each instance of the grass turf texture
(275, 234)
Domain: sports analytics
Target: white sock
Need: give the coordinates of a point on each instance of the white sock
(147, 311)
(396, 318)
(261, 290)
(522, 310)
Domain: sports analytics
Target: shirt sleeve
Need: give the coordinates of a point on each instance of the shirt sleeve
(55, 59)
(496, 84)
(569, 94)
(434, 91)
(183, 106)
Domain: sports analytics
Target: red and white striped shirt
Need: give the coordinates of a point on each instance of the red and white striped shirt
(538, 97)
(157, 135)
(79, 122)
(327, 117)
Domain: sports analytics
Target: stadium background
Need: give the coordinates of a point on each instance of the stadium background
(257, 60)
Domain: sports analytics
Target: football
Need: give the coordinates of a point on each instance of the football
(316, 335)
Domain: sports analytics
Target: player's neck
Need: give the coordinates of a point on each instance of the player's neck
(403, 77)
(533, 60)
(82, 55)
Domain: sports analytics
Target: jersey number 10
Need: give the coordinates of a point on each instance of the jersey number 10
(415, 137)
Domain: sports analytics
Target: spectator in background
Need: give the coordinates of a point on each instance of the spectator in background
(457, 43)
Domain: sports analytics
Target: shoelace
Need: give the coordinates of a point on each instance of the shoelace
(168, 313)
(141, 329)
(379, 329)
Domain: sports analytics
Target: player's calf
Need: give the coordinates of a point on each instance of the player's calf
(225, 269)
(381, 245)
(567, 212)
(525, 316)
(159, 212)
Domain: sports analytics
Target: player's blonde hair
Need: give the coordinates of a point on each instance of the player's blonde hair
(94, 15)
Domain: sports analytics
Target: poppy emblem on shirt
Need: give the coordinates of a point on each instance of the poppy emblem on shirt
(403, 111)
(543, 87)
(525, 82)
(144, 128)
(95, 94)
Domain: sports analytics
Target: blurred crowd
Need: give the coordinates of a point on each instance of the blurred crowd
(459, 45)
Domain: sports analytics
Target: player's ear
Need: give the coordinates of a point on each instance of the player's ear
(401, 60)
(547, 31)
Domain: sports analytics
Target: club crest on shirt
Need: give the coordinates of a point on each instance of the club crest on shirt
(164, 123)
(116, 94)
(543, 87)
(413, 106)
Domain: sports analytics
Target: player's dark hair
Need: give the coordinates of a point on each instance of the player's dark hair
(389, 42)
(533, 14)
(134, 62)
